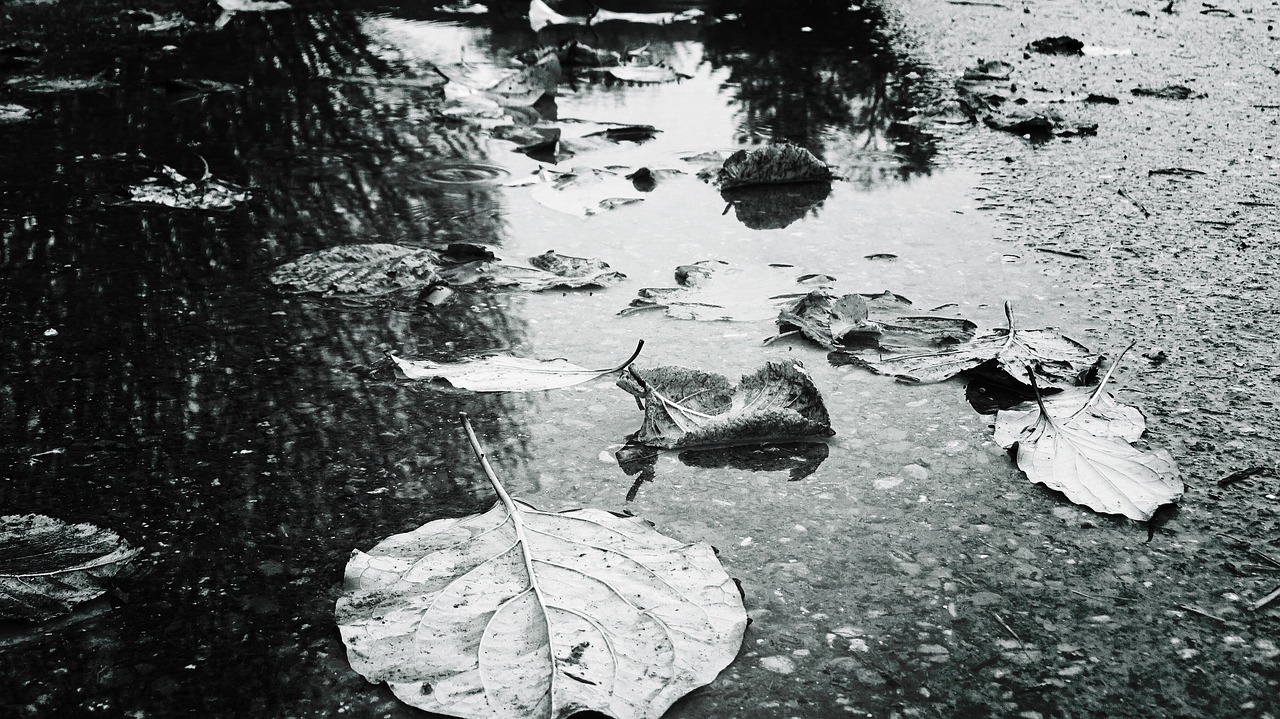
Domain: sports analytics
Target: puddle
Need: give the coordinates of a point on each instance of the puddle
(247, 440)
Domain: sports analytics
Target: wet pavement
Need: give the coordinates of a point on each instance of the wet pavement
(248, 439)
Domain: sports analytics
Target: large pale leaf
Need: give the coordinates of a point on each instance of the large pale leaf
(1057, 360)
(774, 164)
(690, 408)
(718, 290)
(520, 614)
(546, 271)
(1093, 411)
(48, 566)
(506, 374)
(1106, 474)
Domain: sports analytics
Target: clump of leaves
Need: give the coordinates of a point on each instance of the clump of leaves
(48, 566)
(1058, 361)
(689, 408)
(173, 189)
(1082, 449)
(518, 612)
(507, 374)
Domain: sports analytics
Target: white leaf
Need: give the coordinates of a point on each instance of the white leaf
(506, 374)
(518, 613)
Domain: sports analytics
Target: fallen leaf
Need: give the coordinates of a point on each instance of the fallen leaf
(846, 323)
(1090, 410)
(582, 191)
(1060, 45)
(231, 7)
(646, 18)
(378, 269)
(1058, 361)
(174, 190)
(643, 73)
(688, 408)
(368, 270)
(518, 612)
(1168, 92)
(541, 15)
(1106, 474)
(774, 164)
(507, 374)
(10, 112)
(48, 566)
(717, 290)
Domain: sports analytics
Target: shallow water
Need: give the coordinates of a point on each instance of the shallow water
(237, 436)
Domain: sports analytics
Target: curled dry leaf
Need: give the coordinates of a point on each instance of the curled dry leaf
(774, 164)
(1106, 474)
(48, 566)
(844, 323)
(1057, 360)
(688, 408)
(176, 191)
(718, 290)
(519, 613)
(507, 374)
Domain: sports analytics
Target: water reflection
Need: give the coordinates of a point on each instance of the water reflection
(821, 74)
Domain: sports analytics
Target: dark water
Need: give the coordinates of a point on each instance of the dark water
(248, 440)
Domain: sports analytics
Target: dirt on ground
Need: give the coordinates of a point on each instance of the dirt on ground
(1159, 229)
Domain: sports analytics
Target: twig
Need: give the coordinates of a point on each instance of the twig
(1275, 594)
(1243, 474)
(1064, 253)
(975, 3)
(1268, 107)
(1266, 558)
(1136, 204)
(1099, 596)
(1202, 613)
(1014, 634)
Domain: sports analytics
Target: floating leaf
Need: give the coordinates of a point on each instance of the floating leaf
(775, 164)
(48, 566)
(643, 73)
(10, 112)
(231, 7)
(718, 290)
(688, 408)
(827, 319)
(541, 15)
(369, 270)
(41, 84)
(174, 190)
(378, 269)
(1106, 474)
(522, 613)
(646, 18)
(1089, 410)
(507, 374)
(1057, 360)
(583, 191)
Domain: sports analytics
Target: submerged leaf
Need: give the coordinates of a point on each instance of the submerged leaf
(1106, 474)
(1057, 360)
(689, 408)
(582, 191)
(506, 374)
(369, 270)
(378, 269)
(48, 566)
(522, 613)
(774, 164)
(717, 290)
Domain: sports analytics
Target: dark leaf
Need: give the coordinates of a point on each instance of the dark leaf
(48, 566)
(689, 408)
(774, 164)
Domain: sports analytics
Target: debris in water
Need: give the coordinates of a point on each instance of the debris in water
(1168, 92)
(1060, 45)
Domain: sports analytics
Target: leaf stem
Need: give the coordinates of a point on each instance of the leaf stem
(1097, 392)
(488, 469)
